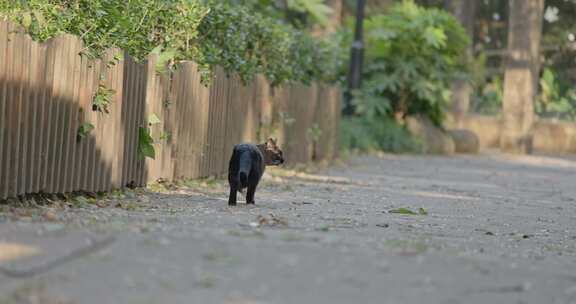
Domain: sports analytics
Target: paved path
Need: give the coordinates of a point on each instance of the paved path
(498, 229)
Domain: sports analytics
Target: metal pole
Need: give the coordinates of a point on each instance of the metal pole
(356, 58)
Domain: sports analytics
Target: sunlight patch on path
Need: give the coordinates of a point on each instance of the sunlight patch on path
(14, 251)
(536, 161)
(443, 195)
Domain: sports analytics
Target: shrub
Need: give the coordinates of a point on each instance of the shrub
(358, 133)
(487, 97)
(412, 55)
(136, 26)
(243, 41)
(298, 13)
(556, 99)
(208, 32)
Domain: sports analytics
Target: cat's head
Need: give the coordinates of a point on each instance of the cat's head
(272, 154)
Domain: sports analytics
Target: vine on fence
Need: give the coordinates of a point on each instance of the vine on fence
(314, 133)
(83, 131)
(102, 99)
(145, 143)
(145, 140)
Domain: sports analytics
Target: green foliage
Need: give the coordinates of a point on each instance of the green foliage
(145, 143)
(316, 8)
(137, 26)
(165, 136)
(102, 99)
(487, 92)
(164, 58)
(412, 55)
(362, 134)
(145, 140)
(314, 133)
(294, 12)
(354, 135)
(487, 97)
(556, 31)
(83, 131)
(404, 211)
(408, 211)
(209, 32)
(243, 41)
(556, 99)
(153, 119)
(422, 211)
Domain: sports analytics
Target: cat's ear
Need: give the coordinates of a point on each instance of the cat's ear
(271, 142)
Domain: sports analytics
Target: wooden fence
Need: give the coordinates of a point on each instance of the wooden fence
(47, 92)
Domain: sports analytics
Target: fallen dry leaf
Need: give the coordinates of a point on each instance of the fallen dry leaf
(271, 220)
(50, 216)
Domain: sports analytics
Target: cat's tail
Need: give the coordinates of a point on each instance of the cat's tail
(243, 177)
(244, 169)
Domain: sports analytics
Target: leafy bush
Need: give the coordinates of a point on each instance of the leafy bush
(487, 97)
(412, 55)
(136, 26)
(359, 133)
(299, 13)
(241, 40)
(208, 32)
(556, 99)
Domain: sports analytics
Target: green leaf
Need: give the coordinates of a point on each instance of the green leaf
(403, 211)
(26, 20)
(164, 136)
(157, 50)
(148, 151)
(164, 56)
(102, 99)
(153, 119)
(383, 34)
(83, 130)
(144, 136)
(316, 8)
(435, 37)
(40, 18)
(406, 211)
(145, 144)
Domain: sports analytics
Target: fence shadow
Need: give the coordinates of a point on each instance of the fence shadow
(40, 156)
(69, 123)
(53, 139)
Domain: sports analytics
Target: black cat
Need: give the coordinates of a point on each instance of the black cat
(247, 165)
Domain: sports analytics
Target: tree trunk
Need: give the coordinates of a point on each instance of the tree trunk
(521, 75)
(334, 19)
(465, 12)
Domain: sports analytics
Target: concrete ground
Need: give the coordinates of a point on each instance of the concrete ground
(485, 229)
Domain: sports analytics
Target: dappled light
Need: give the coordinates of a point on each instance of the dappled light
(540, 161)
(14, 251)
